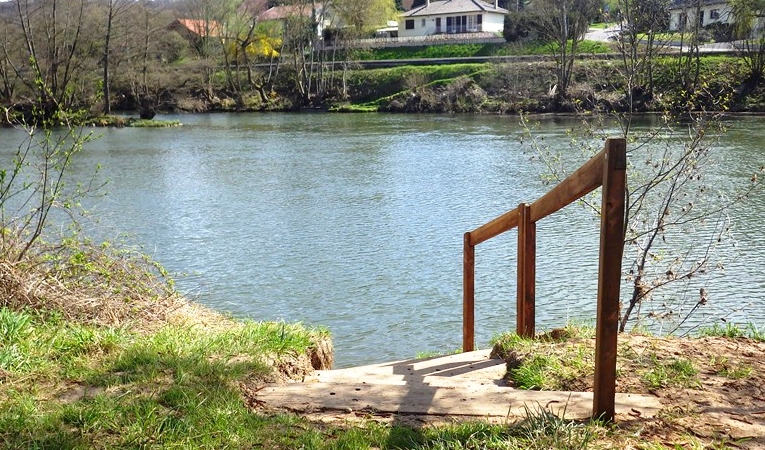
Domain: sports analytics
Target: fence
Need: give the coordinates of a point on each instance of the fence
(607, 169)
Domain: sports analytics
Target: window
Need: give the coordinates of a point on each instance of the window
(409, 24)
(472, 25)
(423, 23)
(714, 14)
(480, 19)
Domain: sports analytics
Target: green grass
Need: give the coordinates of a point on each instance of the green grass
(536, 373)
(677, 372)
(533, 364)
(732, 330)
(471, 50)
(432, 51)
(120, 121)
(70, 386)
(600, 25)
(175, 388)
(723, 367)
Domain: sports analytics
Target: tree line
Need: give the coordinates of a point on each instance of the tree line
(75, 55)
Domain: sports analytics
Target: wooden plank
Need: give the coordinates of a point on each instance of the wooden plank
(503, 223)
(458, 369)
(585, 180)
(609, 277)
(468, 295)
(525, 305)
(470, 400)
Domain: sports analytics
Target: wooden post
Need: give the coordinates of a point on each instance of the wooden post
(468, 295)
(609, 278)
(527, 246)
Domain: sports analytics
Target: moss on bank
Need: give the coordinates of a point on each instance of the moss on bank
(122, 121)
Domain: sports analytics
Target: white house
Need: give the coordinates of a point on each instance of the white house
(682, 13)
(452, 16)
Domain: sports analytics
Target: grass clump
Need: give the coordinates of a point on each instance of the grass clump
(122, 121)
(733, 331)
(536, 373)
(677, 372)
(543, 363)
(725, 368)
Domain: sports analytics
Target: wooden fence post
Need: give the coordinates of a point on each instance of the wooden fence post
(609, 277)
(527, 245)
(468, 295)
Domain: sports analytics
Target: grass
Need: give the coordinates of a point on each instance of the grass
(175, 387)
(677, 372)
(120, 121)
(473, 50)
(725, 368)
(85, 386)
(538, 364)
(731, 330)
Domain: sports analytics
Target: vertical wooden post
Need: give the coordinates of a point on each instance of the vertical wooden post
(609, 278)
(468, 295)
(527, 249)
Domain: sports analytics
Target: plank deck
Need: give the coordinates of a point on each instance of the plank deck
(465, 384)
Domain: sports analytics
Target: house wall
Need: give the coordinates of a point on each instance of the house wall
(494, 23)
(721, 10)
(426, 25)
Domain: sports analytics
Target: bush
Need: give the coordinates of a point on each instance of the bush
(720, 32)
(519, 25)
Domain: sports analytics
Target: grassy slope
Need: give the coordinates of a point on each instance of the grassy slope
(67, 384)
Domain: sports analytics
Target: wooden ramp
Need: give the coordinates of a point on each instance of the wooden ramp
(464, 384)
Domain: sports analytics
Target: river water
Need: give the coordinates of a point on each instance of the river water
(355, 222)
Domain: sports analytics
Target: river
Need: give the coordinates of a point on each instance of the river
(355, 222)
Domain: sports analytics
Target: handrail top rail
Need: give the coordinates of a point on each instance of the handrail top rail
(580, 183)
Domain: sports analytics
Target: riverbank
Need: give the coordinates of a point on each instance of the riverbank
(527, 86)
(176, 374)
(92, 358)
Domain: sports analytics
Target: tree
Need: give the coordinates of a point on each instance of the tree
(669, 198)
(564, 23)
(114, 10)
(298, 38)
(520, 25)
(243, 41)
(749, 32)
(10, 62)
(54, 36)
(641, 21)
(363, 15)
(37, 182)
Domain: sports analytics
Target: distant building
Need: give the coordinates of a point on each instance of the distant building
(451, 17)
(201, 34)
(683, 13)
(314, 11)
(195, 29)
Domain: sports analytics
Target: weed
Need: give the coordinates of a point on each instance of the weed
(536, 373)
(14, 326)
(541, 429)
(730, 330)
(677, 372)
(507, 342)
(753, 332)
(722, 366)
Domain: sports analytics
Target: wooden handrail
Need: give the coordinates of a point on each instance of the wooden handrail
(607, 169)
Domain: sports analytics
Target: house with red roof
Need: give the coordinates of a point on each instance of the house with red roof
(314, 11)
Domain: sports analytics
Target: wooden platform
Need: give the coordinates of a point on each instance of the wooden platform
(465, 384)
